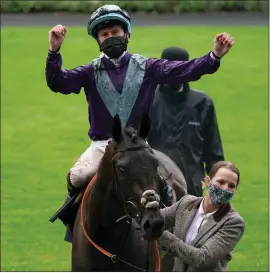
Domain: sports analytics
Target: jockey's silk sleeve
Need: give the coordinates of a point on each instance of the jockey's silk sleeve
(168, 72)
(63, 80)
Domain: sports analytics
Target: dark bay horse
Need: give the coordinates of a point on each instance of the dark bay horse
(112, 213)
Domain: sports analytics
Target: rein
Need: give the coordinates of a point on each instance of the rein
(114, 258)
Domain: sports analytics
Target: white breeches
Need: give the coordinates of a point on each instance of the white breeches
(87, 164)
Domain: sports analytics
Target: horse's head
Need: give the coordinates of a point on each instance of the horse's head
(134, 172)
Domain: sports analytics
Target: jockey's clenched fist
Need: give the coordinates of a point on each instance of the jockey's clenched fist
(56, 37)
(222, 44)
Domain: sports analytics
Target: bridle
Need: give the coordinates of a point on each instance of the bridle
(115, 257)
(126, 203)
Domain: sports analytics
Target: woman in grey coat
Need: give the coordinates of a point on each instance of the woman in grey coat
(207, 229)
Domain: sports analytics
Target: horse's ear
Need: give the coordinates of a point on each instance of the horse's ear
(117, 129)
(145, 126)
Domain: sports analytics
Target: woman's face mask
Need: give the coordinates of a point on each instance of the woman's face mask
(218, 195)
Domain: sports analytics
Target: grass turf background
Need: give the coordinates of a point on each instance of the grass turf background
(43, 133)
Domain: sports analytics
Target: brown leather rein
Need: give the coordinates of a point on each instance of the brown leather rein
(102, 250)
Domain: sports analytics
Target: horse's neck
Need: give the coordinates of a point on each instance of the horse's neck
(99, 193)
(102, 206)
(111, 211)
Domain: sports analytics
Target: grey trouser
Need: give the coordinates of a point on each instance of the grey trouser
(87, 164)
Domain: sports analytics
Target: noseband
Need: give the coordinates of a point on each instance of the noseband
(129, 217)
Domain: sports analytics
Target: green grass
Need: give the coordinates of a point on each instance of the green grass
(43, 133)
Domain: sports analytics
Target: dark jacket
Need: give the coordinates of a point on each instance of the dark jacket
(184, 127)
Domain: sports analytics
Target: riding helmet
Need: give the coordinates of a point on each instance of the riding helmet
(108, 15)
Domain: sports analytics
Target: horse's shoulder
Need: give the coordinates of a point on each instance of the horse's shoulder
(167, 163)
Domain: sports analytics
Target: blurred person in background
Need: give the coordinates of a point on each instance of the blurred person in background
(184, 126)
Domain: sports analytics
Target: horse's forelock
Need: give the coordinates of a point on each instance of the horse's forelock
(131, 133)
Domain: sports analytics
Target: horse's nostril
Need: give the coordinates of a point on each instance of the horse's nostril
(146, 225)
(157, 226)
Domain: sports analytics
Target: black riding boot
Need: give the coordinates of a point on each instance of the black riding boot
(67, 213)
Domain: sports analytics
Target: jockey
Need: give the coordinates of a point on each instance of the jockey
(118, 81)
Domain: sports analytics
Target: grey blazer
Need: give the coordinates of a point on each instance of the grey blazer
(210, 250)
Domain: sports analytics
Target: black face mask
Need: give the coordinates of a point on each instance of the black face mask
(175, 87)
(114, 47)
